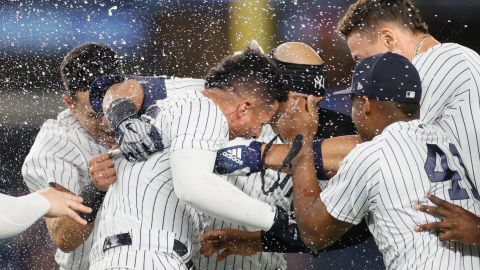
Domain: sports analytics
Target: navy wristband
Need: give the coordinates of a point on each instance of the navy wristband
(318, 158)
(93, 198)
(255, 156)
(283, 237)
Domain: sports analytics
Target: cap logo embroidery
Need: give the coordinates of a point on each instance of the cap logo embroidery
(359, 86)
(410, 94)
(319, 82)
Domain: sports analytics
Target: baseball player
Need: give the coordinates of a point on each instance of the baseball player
(301, 77)
(19, 213)
(63, 147)
(144, 223)
(383, 179)
(301, 67)
(449, 72)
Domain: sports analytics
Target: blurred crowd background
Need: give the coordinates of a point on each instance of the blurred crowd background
(181, 38)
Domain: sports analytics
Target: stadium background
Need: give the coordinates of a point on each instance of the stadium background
(182, 38)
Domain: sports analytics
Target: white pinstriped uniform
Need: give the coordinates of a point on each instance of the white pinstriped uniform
(252, 186)
(383, 179)
(60, 154)
(450, 76)
(143, 201)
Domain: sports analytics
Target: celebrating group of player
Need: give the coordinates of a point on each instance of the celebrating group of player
(243, 162)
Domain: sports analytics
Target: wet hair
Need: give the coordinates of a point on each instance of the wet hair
(366, 15)
(249, 71)
(84, 64)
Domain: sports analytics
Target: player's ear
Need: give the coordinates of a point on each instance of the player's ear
(367, 106)
(69, 102)
(388, 38)
(244, 108)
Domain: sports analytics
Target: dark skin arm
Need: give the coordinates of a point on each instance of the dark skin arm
(65, 232)
(458, 224)
(317, 227)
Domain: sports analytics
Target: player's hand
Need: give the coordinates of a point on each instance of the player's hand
(301, 118)
(458, 224)
(137, 139)
(230, 242)
(64, 204)
(102, 172)
(239, 157)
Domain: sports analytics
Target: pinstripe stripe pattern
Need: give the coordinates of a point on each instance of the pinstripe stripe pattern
(450, 76)
(143, 198)
(60, 155)
(382, 180)
(251, 185)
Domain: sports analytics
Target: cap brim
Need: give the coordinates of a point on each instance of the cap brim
(347, 91)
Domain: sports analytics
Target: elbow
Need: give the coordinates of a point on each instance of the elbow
(60, 239)
(312, 240)
(184, 192)
(65, 236)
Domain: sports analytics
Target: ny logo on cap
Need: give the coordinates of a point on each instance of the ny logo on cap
(410, 94)
(319, 82)
(359, 86)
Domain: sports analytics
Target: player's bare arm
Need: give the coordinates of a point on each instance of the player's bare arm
(317, 227)
(457, 224)
(66, 233)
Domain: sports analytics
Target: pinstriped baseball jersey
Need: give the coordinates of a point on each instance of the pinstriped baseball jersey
(383, 179)
(143, 201)
(252, 186)
(450, 76)
(60, 154)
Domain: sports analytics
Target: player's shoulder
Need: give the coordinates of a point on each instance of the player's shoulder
(187, 99)
(65, 129)
(365, 153)
(63, 124)
(184, 83)
(441, 54)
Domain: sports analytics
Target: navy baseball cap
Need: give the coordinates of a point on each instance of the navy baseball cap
(387, 76)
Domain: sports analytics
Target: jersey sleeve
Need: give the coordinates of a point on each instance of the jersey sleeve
(54, 159)
(198, 124)
(348, 193)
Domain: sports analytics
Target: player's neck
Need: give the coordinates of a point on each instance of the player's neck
(280, 111)
(421, 42)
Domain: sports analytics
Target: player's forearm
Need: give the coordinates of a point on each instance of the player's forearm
(19, 213)
(275, 155)
(68, 234)
(309, 209)
(201, 188)
(335, 149)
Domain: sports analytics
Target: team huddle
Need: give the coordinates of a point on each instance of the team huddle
(236, 169)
